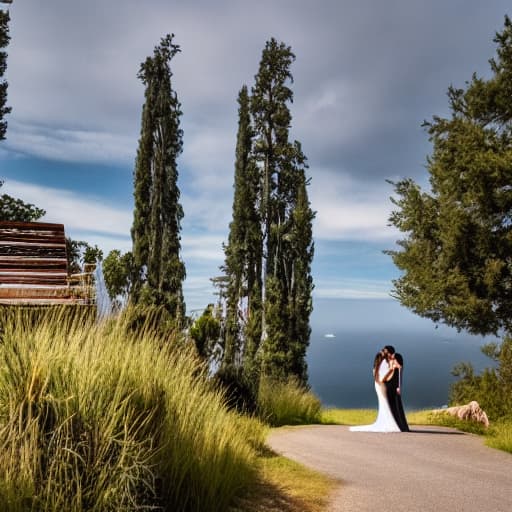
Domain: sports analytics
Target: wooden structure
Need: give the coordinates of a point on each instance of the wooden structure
(34, 267)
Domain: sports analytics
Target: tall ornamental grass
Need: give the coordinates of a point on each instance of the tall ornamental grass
(287, 403)
(99, 418)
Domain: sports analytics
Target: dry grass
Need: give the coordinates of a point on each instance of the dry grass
(99, 418)
(286, 486)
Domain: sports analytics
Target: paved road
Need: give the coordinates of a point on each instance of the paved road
(431, 469)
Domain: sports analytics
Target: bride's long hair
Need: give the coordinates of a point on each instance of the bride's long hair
(379, 356)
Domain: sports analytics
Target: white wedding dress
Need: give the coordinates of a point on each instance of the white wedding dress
(385, 421)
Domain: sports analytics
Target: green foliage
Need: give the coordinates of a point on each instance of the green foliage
(244, 248)
(287, 402)
(118, 275)
(492, 389)
(270, 248)
(286, 218)
(500, 436)
(4, 41)
(455, 258)
(79, 253)
(12, 209)
(93, 418)
(205, 332)
(239, 389)
(158, 270)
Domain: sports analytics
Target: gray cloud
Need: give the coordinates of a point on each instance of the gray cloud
(367, 73)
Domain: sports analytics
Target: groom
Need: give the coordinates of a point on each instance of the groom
(393, 387)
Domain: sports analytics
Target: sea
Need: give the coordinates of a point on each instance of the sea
(347, 333)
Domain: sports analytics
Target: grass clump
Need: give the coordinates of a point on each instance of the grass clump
(103, 418)
(287, 403)
(500, 436)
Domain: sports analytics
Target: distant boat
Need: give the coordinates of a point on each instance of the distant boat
(330, 335)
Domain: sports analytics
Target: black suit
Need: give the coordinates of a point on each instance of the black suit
(394, 399)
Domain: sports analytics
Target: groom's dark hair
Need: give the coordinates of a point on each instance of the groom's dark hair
(390, 349)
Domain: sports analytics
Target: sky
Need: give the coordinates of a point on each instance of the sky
(367, 74)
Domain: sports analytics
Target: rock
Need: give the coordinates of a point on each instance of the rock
(471, 412)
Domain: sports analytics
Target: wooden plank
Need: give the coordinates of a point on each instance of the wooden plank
(43, 292)
(33, 280)
(11, 260)
(36, 226)
(18, 238)
(47, 243)
(47, 252)
(45, 302)
(32, 271)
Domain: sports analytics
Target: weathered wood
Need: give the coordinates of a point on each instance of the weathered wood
(34, 268)
(42, 292)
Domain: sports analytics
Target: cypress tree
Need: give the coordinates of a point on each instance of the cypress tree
(300, 280)
(157, 215)
(282, 175)
(270, 247)
(4, 41)
(244, 243)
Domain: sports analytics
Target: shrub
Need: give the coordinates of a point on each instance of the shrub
(287, 403)
(239, 392)
(492, 389)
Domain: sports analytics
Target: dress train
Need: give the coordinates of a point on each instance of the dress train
(385, 421)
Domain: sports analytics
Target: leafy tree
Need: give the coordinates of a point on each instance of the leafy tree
(17, 210)
(455, 257)
(92, 255)
(456, 254)
(205, 332)
(4, 41)
(118, 274)
(80, 253)
(159, 272)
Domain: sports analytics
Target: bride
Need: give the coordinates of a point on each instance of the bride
(385, 421)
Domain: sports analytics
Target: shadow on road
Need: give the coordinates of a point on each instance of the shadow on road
(432, 431)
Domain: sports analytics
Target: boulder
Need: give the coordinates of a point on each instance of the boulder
(471, 412)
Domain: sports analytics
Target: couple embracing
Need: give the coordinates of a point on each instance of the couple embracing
(387, 374)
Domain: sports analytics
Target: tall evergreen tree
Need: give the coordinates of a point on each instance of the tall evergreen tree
(300, 280)
(158, 213)
(282, 166)
(243, 251)
(4, 41)
(455, 257)
(270, 248)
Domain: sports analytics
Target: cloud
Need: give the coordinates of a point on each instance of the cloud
(347, 209)
(77, 211)
(351, 289)
(202, 248)
(66, 145)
